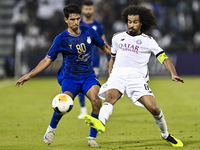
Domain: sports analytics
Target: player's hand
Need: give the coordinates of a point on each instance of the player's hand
(22, 80)
(176, 79)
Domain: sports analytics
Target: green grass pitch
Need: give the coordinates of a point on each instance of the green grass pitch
(25, 114)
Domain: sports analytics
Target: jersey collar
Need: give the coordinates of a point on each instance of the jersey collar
(75, 35)
(134, 35)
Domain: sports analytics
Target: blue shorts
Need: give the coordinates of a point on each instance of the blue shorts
(78, 86)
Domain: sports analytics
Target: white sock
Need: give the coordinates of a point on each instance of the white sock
(50, 128)
(160, 121)
(105, 112)
(84, 110)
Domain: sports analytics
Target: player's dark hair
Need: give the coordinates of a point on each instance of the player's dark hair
(88, 3)
(146, 16)
(71, 9)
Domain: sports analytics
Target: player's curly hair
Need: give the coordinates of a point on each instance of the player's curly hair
(71, 9)
(146, 16)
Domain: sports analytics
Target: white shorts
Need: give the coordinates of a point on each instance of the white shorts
(135, 87)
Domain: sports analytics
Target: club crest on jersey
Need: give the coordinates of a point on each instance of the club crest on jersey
(105, 85)
(89, 40)
(94, 27)
(139, 42)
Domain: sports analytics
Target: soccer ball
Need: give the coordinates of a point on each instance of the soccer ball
(62, 104)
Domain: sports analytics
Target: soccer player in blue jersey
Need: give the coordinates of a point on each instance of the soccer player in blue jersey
(88, 21)
(76, 73)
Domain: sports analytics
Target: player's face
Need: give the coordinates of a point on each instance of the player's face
(87, 11)
(73, 22)
(134, 24)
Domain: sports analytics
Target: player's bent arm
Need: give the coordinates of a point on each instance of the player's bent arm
(106, 48)
(111, 62)
(104, 38)
(43, 64)
(170, 67)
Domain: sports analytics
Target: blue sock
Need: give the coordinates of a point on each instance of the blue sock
(93, 132)
(82, 99)
(55, 119)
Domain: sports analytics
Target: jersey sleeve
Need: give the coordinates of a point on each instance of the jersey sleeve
(114, 46)
(55, 48)
(97, 40)
(158, 51)
(155, 48)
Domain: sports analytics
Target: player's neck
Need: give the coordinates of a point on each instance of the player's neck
(73, 32)
(87, 20)
(134, 34)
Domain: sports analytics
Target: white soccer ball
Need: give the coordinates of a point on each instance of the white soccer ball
(62, 104)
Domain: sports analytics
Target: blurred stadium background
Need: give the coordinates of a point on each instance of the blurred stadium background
(28, 27)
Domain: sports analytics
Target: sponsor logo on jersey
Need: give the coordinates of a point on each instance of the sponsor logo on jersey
(129, 47)
(83, 57)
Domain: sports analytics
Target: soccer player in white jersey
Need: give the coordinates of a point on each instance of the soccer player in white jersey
(130, 54)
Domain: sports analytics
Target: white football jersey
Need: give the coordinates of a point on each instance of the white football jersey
(132, 53)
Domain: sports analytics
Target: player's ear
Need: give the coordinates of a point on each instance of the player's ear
(65, 19)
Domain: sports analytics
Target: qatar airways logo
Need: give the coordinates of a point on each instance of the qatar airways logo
(129, 47)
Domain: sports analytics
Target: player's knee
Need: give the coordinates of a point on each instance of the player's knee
(110, 98)
(96, 102)
(155, 110)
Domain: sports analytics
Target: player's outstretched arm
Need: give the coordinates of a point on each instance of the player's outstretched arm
(40, 67)
(170, 67)
(106, 48)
